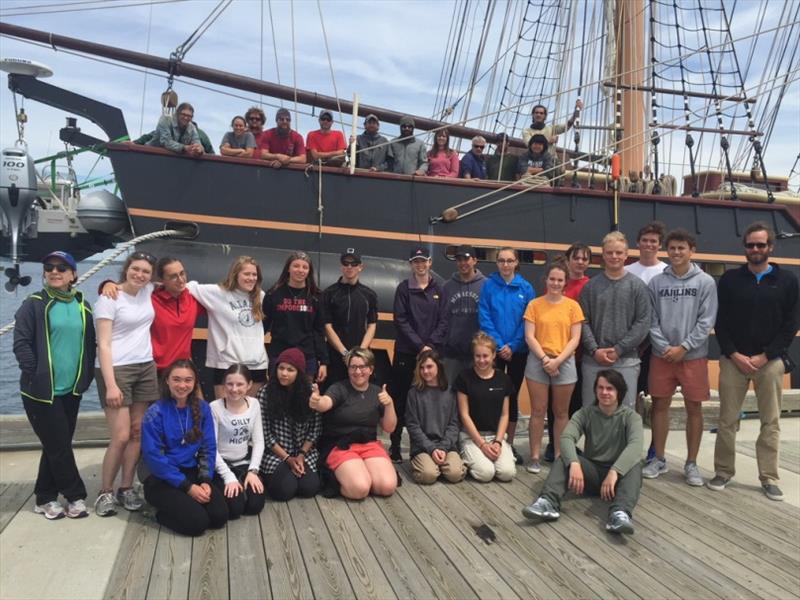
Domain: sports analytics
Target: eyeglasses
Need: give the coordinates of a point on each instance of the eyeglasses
(144, 256)
(506, 261)
(755, 245)
(358, 367)
(60, 267)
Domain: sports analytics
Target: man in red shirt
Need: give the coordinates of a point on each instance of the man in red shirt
(281, 145)
(326, 144)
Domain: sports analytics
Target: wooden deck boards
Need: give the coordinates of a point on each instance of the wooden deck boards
(422, 543)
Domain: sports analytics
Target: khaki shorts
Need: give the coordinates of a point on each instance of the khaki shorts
(138, 383)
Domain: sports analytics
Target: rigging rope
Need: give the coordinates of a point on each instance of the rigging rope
(274, 42)
(117, 251)
(330, 66)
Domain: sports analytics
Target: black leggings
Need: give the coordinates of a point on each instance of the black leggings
(402, 377)
(515, 368)
(54, 425)
(246, 502)
(284, 485)
(178, 511)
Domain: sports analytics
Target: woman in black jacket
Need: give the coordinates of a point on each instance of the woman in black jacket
(56, 322)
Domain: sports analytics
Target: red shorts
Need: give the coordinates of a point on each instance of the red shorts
(691, 375)
(372, 449)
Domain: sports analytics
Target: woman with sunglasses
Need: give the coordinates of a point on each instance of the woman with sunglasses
(238, 142)
(126, 378)
(292, 315)
(503, 301)
(442, 160)
(235, 335)
(351, 412)
(56, 321)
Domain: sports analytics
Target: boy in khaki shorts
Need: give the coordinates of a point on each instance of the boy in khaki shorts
(685, 308)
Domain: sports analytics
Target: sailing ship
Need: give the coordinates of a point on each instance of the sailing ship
(643, 87)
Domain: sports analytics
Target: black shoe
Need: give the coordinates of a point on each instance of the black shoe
(549, 454)
(394, 454)
(517, 456)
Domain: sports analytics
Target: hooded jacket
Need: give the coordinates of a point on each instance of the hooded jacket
(420, 316)
(684, 311)
(32, 347)
(501, 308)
(461, 298)
(406, 156)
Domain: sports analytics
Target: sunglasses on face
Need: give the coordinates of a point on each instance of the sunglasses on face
(350, 263)
(255, 119)
(187, 115)
(325, 119)
(477, 147)
(755, 245)
(60, 267)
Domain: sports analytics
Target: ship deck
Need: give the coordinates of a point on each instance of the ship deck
(423, 542)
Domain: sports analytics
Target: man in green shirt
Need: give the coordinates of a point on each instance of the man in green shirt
(611, 462)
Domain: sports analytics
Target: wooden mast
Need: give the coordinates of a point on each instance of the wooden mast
(631, 75)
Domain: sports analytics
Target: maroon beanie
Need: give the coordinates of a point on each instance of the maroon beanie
(294, 357)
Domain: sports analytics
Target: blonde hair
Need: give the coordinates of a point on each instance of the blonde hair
(483, 339)
(364, 354)
(230, 283)
(615, 236)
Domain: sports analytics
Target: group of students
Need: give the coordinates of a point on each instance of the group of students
(305, 415)
(405, 154)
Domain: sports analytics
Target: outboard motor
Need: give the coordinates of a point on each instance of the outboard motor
(17, 195)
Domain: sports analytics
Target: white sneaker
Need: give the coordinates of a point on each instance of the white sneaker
(105, 505)
(77, 509)
(692, 473)
(656, 467)
(51, 510)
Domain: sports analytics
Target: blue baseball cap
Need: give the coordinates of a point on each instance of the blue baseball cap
(64, 256)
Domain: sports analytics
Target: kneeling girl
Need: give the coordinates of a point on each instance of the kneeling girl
(179, 446)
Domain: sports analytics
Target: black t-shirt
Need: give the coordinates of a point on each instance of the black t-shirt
(352, 410)
(485, 396)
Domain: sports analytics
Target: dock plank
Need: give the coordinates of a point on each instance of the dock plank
(172, 564)
(743, 534)
(510, 556)
(407, 580)
(134, 563)
(788, 456)
(208, 579)
(249, 578)
(473, 564)
(288, 577)
(14, 496)
(325, 570)
(440, 572)
(365, 573)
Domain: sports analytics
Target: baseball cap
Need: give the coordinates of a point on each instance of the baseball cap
(371, 117)
(419, 252)
(326, 112)
(64, 256)
(351, 254)
(465, 250)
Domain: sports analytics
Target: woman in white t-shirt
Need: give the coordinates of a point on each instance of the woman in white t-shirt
(126, 378)
(235, 332)
(240, 444)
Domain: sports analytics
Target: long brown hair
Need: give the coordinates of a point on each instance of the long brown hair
(123, 275)
(435, 149)
(196, 432)
(441, 377)
(230, 283)
(311, 283)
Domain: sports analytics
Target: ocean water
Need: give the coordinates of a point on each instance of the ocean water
(10, 401)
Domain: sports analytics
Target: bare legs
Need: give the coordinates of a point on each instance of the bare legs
(538, 393)
(124, 425)
(358, 478)
(659, 422)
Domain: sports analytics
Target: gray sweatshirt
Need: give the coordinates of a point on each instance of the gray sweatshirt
(462, 314)
(407, 156)
(618, 314)
(432, 420)
(615, 440)
(684, 311)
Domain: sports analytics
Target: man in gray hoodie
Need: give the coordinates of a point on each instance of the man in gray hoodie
(684, 310)
(461, 294)
(407, 155)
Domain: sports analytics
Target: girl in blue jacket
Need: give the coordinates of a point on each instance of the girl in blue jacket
(179, 447)
(504, 297)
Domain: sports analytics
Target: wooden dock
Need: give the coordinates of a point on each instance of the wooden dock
(428, 542)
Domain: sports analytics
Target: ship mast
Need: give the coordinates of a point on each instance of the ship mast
(630, 78)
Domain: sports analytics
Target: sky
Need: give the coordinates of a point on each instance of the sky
(389, 52)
